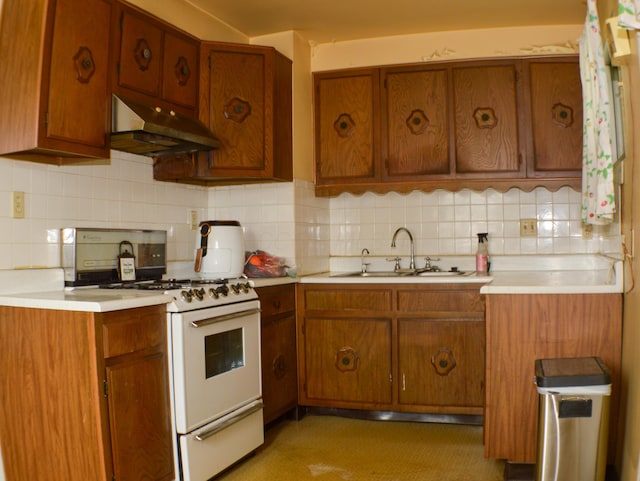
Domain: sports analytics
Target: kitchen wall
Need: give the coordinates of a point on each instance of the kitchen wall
(629, 441)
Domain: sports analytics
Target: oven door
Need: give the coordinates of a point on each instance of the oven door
(216, 362)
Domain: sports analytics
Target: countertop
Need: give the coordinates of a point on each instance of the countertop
(88, 300)
(553, 274)
(571, 274)
(44, 289)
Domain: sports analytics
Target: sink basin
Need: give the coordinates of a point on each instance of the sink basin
(374, 274)
(405, 273)
(443, 273)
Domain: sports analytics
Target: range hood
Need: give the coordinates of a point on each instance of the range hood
(140, 129)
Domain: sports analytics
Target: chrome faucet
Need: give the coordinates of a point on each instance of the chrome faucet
(412, 261)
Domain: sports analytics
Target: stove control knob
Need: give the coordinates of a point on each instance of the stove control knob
(213, 293)
(199, 293)
(235, 288)
(245, 287)
(224, 290)
(187, 296)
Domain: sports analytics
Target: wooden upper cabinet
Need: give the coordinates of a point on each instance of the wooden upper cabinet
(54, 100)
(556, 118)
(346, 116)
(494, 123)
(486, 120)
(156, 63)
(246, 101)
(415, 120)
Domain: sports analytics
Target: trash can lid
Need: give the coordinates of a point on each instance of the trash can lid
(575, 371)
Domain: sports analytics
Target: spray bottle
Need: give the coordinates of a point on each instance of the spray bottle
(482, 254)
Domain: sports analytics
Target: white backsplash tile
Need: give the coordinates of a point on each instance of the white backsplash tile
(285, 219)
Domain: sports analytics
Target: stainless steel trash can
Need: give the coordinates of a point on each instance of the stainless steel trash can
(573, 419)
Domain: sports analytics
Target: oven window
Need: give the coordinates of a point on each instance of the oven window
(223, 352)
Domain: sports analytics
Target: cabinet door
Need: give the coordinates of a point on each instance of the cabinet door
(441, 362)
(77, 106)
(415, 123)
(278, 344)
(180, 71)
(556, 118)
(347, 131)
(240, 96)
(140, 56)
(486, 120)
(140, 420)
(348, 361)
(279, 371)
(135, 351)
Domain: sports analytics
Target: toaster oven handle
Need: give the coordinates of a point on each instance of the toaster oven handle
(223, 424)
(226, 317)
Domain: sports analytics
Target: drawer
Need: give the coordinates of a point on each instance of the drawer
(410, 300)
(276, 300)
(364, 300)
(133, 330)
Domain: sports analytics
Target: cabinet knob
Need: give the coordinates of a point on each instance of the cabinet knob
(347, 359)
(85, 66)
(279, 366)
(142, 54)
(182, 71)
(443, 362)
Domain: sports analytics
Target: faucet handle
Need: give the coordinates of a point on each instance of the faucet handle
(427, 262)
(397, 262)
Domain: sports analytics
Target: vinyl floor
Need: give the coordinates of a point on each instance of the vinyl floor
(331, 448)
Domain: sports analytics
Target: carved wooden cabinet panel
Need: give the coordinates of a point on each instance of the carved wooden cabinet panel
(155, 62)
(54, 100)
(486, 120)
(556, 118)
(278, 344)
(525, 327)
(416, 122)
(346, 125)
(99, 387)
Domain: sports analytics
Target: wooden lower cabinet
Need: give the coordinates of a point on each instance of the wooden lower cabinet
(348, 361)
(85, 395)
(407, 348)
(526, 327)
(278, 350)
(441, 363)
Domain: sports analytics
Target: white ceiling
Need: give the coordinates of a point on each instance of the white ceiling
(324, 21)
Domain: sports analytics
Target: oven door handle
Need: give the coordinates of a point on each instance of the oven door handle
(226, 317)
(224, 424)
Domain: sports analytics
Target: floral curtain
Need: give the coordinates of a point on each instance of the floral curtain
(598, 191)
(629, 14)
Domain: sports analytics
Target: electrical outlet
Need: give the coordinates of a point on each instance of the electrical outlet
(528, 227)
(193, 219)
(17, 205)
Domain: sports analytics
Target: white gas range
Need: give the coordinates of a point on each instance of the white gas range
(214, 334)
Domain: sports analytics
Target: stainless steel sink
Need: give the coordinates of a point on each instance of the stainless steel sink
(405, 273)
(443, 273)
